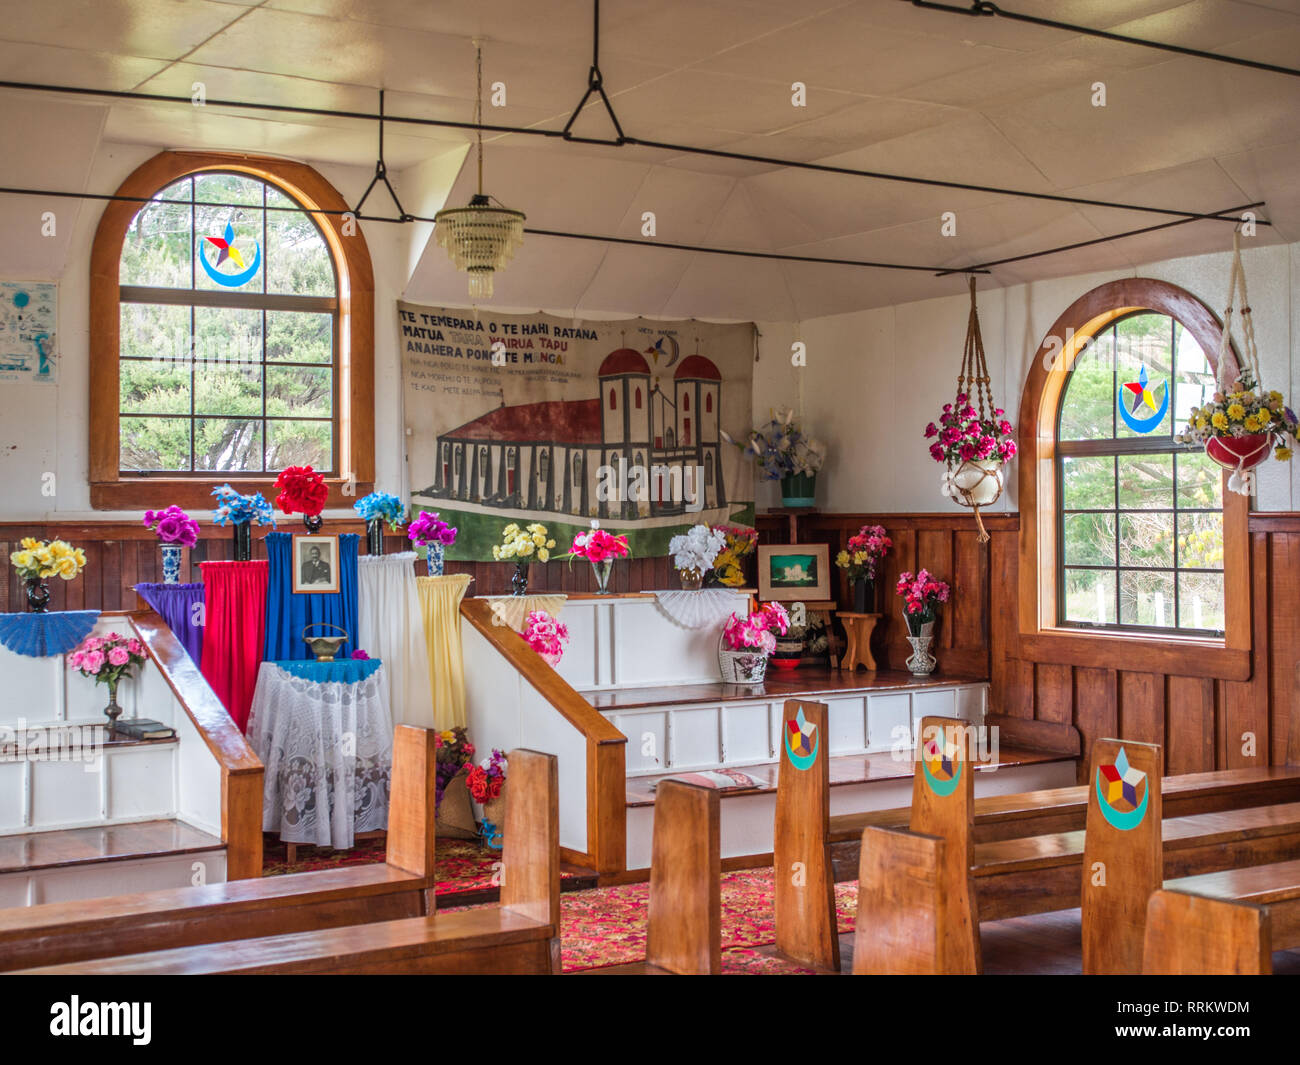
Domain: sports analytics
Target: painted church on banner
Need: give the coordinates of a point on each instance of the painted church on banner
(548, 456)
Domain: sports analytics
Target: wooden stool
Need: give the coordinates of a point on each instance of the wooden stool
(858, 629)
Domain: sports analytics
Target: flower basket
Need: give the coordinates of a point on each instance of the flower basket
(979, 481)
(742, 667)
(455, 817)
(1239, 452)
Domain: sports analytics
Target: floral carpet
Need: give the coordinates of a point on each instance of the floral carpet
(607, 926)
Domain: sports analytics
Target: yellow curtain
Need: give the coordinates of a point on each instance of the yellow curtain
(440, 607)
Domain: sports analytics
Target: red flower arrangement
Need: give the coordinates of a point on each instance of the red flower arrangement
(922, 595)
(301, 489)
(598, 545)
(486, 779)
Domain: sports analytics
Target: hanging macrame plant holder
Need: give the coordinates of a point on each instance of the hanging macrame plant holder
(975, 483)
(1239, 454)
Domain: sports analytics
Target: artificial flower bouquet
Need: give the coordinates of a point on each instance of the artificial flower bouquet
(452, 752)
(596, 545)
(782, 449)
(240, 509)
(430, 529)
(695, 551)
(963, 436)
(758, 631)
(738, 542)
(921, 594)
(867, 547)
(521, 545)
(1239, 426)
(107, 659)
(36, 559)
(487, 779)
(383, 506)
(302, 490)
(172, 526)
(547, 635)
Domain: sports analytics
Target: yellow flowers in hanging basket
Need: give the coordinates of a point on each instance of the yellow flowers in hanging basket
(57, 558)
(523, 545)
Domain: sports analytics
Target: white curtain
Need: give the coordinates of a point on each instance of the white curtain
(390, 627)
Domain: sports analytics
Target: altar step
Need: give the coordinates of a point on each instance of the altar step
(859, 783)
(95, 861)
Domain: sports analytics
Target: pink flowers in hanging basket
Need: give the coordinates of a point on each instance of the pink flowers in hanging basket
(757, 629)
(547, 635)
(963, 436)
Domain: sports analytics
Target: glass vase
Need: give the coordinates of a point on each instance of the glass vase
(692, 579)
(921, 662)
(38, 596)
(864, 597)
(519, 582)
(434, 559)
(112, 711)
(171, 563)
(602, 571)
(243, 535)
(313, 523)
(375, 536)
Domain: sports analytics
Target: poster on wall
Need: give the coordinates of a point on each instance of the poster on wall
(532, 418)
(28, 317)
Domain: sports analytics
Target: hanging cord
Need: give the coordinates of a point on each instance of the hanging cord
(974, 382)
(1241, 480)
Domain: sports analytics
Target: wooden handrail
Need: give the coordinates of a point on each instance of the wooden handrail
(606, 746)
(241, 769)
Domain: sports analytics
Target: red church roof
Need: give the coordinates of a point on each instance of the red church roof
(624, 360)
(557, 422)
(697, 367)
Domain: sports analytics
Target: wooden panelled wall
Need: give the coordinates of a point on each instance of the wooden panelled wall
(1202, 723)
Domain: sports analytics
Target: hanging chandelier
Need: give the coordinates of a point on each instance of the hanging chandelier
(482, 237)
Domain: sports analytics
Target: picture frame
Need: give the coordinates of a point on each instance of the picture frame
(789, 573)
(315, 564)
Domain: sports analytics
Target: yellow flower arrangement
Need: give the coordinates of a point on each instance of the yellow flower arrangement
(1219, 420)
(36, 559)
(523, 544)
(1236, 412)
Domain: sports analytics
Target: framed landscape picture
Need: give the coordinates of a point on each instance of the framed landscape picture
(315, 564)
(794, 572)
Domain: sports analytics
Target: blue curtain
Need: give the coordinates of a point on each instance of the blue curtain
(287, 614)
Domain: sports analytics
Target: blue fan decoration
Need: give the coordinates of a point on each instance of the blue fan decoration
(46, 635)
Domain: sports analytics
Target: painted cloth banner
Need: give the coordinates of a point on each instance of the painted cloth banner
(533, 418)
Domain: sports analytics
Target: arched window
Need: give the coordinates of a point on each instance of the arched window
(1140, 522)
(577, 469)
(233, 333)
(686, 401)
(638, 397)
(613, 400)
(708, 403)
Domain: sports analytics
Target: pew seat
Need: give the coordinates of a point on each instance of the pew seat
(1276, 885)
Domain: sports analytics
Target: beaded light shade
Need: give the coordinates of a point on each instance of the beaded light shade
(482, 237)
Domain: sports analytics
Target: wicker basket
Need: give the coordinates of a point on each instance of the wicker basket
(741, 667)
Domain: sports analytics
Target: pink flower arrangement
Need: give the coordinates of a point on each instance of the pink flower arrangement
(107, 658)
(757, 629)
(598, 546)
(865, 549)
(430, 529)
(921, 594)
(963, 436)
(173, 526)
(360, 655)
(546, 635)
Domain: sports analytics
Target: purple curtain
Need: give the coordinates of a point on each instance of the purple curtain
(175, 605)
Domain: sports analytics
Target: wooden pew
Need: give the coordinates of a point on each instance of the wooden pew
(1189, 935)
(684, 935)
(901, 904)
(521, 935)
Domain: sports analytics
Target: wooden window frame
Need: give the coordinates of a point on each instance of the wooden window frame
(110, 489)
(1041, 638)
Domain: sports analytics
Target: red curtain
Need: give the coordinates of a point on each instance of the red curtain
(234, 595)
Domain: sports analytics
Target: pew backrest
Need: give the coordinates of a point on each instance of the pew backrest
(684, 934)
(1189, 934)
(901, 904)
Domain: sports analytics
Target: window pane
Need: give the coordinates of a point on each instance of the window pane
(232, 261)
(1146, 599)
(154, 331)
(228, 334)
(1200, 480)
(1146, 538)
(299, 443)
(156, 250)
(1146, 482)
(1144, 341)
(1200, 541)
(1089, 483)
(227, 390)
(1194, 383)
(1200, 601)
(297, 259)
(155, 443)
(295, 336)
(233, 444)
(1090, 596)
(155, 388)
(228, 188)
(1086, 408)
(299, 391)
(1090, 540)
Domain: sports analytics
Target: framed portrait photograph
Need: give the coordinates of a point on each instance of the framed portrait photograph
(789, 573)
(315, 564)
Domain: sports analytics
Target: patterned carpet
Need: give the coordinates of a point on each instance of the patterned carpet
(607, 926)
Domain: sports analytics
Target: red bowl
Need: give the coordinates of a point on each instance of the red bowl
(785, 663)
(1229, 451)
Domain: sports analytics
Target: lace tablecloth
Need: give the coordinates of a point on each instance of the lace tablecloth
(703, 608)
(327, 746)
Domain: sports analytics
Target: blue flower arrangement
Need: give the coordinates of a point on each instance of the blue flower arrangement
(381, 505)
(782, 448)
(241, 510)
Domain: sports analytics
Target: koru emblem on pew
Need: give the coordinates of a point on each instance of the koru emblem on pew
(940, 765)
(1122, 793)
(801, 741)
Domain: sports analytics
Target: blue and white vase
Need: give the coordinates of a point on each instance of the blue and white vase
(435, 559)
(171, 563)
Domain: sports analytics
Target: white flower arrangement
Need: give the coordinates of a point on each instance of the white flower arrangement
(696, 549)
